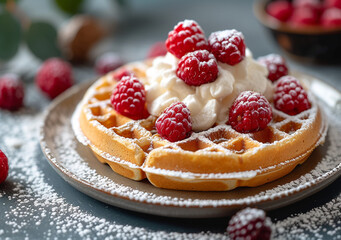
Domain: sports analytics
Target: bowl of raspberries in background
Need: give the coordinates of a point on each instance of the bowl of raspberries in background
(308, 30)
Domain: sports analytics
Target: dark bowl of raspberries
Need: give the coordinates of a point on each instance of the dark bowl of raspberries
(308, 30)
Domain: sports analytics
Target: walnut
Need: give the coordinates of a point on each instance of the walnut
(79, 35)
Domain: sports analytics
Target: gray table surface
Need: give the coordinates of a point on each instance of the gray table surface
(25, 211)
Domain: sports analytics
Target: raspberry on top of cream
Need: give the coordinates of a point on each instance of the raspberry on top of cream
(208, 103)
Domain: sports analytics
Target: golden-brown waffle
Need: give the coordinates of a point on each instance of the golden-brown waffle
(218, 159)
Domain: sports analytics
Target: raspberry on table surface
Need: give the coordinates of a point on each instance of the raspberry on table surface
(12, 92)
(250, 223)
(54, 77)
(3, 167)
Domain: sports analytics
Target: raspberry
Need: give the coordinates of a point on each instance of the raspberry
(333, 3)
(11, 92)
(157, 49)
(197, 68)
(276, 66)
(54, 77)
(3, 167)
(175, 122)
(118, 75)
(129, 98)
(108, 62)
(227, 46)
(304, 17)
(315, 5)
(331, 17)
(250, 112)
(290, 97)
(187, 36)
(280, 10)
(306, 3)
(250, 223)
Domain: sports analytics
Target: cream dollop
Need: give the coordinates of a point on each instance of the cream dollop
(208, 103)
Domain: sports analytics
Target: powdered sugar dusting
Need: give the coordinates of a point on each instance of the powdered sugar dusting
(188, 23)
(225, 35)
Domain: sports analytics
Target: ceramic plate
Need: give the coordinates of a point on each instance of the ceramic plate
(79, 167)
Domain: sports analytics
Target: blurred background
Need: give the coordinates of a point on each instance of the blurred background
(79, 31)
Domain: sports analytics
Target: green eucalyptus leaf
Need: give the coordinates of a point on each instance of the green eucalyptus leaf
(10, 35)
(41, 39)
(69, 6)
(5, 1)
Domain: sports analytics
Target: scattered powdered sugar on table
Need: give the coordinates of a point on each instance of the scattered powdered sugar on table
(312, 224)
(31, 200)
(27, 198)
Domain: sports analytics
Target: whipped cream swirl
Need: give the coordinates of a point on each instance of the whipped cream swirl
(210, 102)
